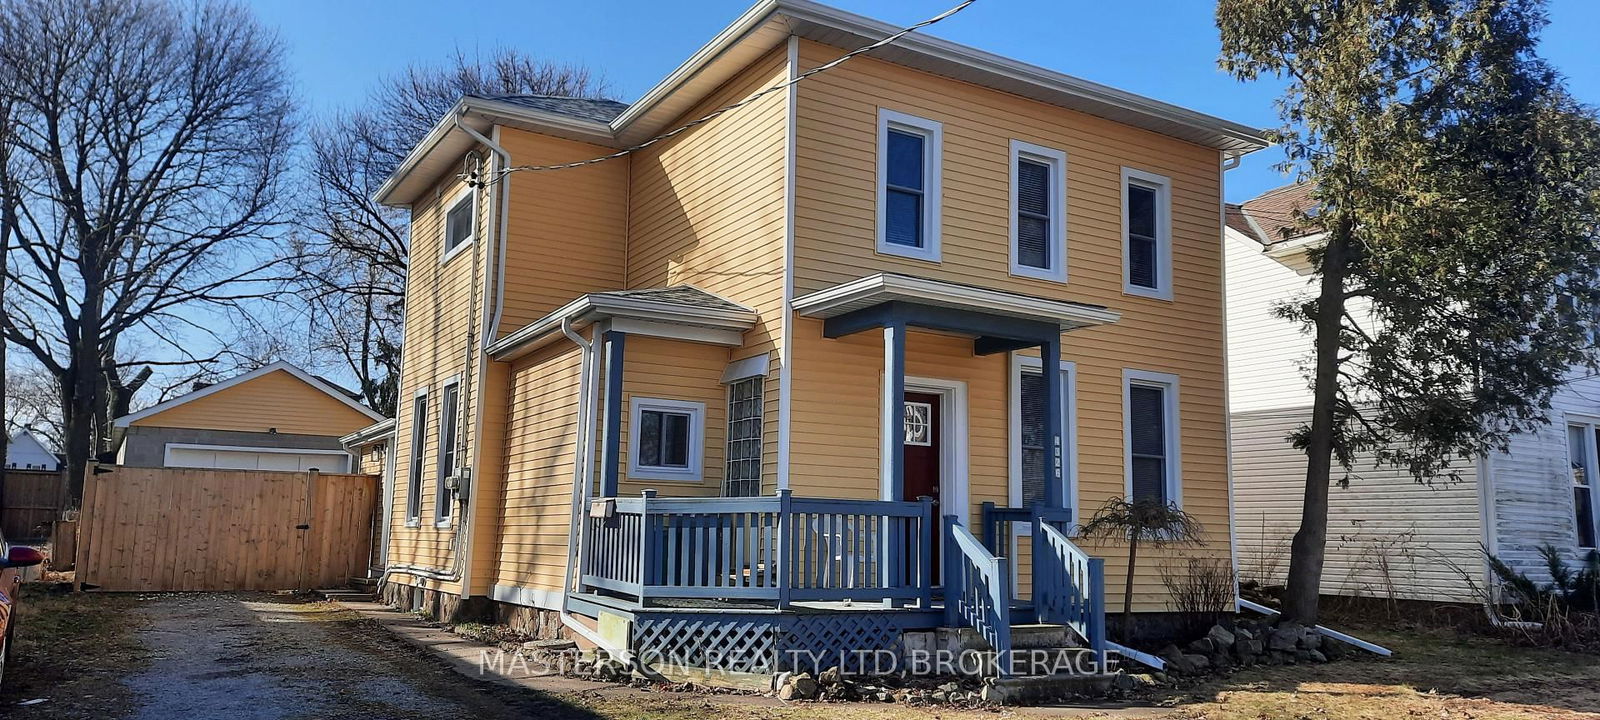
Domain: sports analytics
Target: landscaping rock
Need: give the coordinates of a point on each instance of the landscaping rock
(1220, 638)
(801, 686)
(1203, 646)
(1334, 649)
(1285, 638)
(994, 695)
(831, 676)
(1316, 656)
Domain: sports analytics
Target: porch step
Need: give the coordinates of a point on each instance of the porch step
(364, 583)
(1023, 637)
(346, 595)
(1036, 689)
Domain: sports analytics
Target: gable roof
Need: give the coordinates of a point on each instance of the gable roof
(1269, 218)
(24, 449)
(760, 29)
(324, 386)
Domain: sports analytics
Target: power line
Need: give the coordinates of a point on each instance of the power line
(735, 106)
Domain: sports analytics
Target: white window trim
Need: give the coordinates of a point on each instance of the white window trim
(697, 440)
(1069, 433)
(1591, 467)
(1168, 381)
(441, 472)
(413, 469)
(466, 193)
(1057, 160)
(1163, 187)
(933, 131)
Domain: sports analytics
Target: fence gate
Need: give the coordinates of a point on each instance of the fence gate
(169, 529)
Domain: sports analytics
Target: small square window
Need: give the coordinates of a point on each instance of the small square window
(668, 437)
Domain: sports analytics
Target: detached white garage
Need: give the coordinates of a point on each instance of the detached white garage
(240, 458)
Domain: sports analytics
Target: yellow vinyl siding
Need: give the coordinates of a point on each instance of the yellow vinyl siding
(276, 401)
(443, 311)
(566, 228)
(707, 209)
(534, 504)
(836, 382)
(672, 370)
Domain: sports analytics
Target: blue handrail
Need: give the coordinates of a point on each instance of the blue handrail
(977, 590)
(1069, 586)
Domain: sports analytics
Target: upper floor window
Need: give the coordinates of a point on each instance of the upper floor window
(1038, 212)
(459, 222)
(908, 185)
(1146, 234)
(1150, 416)
(668, 439)
(1581, 439)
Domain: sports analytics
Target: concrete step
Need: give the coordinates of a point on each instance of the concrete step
(364, 583)
(346, 595)
(1036, 689)
(1023, 637)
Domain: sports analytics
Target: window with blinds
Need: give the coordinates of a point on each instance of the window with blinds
(1148, 443)
(1142, 241)
(742, 477)
(1033, 214)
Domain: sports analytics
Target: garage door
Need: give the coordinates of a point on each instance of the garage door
(237, 459)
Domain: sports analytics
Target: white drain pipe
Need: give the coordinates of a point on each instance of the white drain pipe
(581, 477)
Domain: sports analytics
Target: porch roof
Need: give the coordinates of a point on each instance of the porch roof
(873, 290)
(682, 311)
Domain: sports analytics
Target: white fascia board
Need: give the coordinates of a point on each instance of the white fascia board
(649, 316)
(884, 287)
(377, 431)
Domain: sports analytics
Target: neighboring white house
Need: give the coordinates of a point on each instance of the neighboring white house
(25, 451)
(1388, 535)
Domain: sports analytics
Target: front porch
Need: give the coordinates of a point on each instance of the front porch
(776, 583)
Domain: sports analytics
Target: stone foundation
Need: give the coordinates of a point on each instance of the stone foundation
(451, 609)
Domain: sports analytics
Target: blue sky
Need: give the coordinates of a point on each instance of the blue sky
(1167, 50)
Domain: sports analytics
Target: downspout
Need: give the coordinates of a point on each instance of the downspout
(581, 478)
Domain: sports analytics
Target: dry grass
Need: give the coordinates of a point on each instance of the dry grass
(71, 649)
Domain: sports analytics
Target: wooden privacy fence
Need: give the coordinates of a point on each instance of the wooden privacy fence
(155, 529)
(33, 500)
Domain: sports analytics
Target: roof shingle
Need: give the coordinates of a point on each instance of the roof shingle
(591, 109)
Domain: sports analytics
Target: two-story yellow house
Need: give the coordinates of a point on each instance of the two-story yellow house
(835, 365)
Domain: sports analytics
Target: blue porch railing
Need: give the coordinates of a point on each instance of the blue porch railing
(780, 549)
(1068, 584)
(977, 590)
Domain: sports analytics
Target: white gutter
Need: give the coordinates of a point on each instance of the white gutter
(1335, 634)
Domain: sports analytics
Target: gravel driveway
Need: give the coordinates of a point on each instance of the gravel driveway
(266, 657)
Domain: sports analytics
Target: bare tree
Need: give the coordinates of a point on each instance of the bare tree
(351, 279)
(145, 152)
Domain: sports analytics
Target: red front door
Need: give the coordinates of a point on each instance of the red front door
(922, 437)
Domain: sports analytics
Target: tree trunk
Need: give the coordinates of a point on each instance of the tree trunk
(1127, 589)
(82, 395)
(1306, 553)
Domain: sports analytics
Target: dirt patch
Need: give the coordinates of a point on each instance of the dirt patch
(71, 651)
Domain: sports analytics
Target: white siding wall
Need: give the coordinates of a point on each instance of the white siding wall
(1265, 352)
(1532, 487)
(1387, 534)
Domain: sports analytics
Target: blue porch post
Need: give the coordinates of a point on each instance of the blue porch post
(615, 344)
(1050, 360)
